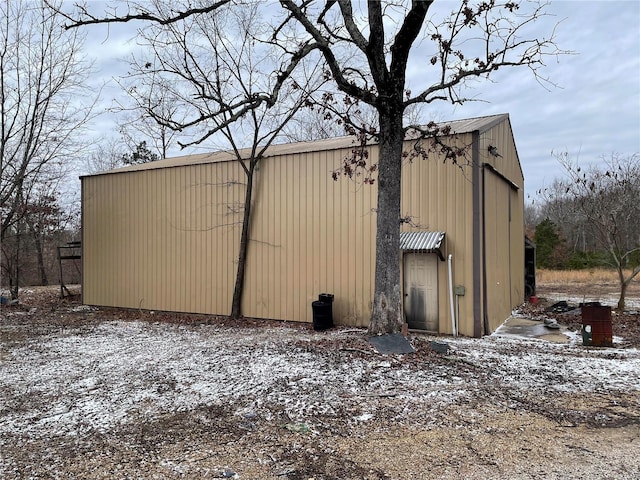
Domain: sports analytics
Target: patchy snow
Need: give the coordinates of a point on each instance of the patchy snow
(530, 364)
(79, 380)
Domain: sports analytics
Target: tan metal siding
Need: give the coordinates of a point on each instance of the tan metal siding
(167, 238)
(497, 254)
(502, 301)
(504, 224)
(501, 137)
(161, 239)
(438, 196)
(517, 248)
(310, 235)
(169, 242)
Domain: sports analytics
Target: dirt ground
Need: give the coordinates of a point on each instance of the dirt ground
(105, 393)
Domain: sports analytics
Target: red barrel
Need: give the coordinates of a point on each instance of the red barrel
(598, 320)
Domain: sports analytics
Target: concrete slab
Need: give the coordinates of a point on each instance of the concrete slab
(526, 328)
(391, 343)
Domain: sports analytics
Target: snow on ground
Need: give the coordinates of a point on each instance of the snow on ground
(529, 364)
(102, 376)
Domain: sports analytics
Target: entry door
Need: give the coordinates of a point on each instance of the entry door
(421, 291)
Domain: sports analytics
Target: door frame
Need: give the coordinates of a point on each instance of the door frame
(433, 300)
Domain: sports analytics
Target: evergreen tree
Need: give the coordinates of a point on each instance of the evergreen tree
(548, 243)
(142, 154)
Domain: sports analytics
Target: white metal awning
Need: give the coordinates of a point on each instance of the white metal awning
(428, 242)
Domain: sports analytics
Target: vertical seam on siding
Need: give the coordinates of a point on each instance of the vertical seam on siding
(477, 264)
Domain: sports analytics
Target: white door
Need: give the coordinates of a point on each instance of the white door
(421, 291)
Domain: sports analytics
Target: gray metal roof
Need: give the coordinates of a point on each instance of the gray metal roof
(468, 125)
(430, 242)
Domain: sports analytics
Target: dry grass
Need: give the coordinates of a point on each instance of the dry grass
(593, 276)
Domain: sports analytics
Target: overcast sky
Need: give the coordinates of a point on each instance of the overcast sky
(593, 111)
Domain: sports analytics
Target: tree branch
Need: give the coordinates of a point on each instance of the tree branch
(324, 47)
(406, 37)
(176, 17)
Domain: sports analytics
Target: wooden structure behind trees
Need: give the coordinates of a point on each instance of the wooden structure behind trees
(70, 251)
(165, 235)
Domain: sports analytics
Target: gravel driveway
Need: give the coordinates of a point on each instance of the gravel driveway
(88, 393)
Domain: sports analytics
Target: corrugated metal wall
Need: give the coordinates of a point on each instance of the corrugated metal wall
(310, 235)
(503, 224)
(167, 238)
(438, 197)
(161, 239)
(497, 253)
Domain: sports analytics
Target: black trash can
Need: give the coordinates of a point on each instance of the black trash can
(323, 312)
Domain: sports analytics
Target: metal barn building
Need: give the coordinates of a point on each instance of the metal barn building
(164, 235)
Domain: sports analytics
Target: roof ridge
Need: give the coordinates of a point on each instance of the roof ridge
(459, 126)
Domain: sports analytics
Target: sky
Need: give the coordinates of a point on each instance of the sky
(593, 108)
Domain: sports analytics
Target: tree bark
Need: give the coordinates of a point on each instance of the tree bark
(15, 285)
(238, 289)
(40, 255)
(386, 316)
(623, 295)
(623, 288)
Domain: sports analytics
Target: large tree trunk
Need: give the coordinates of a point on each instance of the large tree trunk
(386, 316)
(238, 290)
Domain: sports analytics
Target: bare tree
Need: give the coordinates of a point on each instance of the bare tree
(104, 155)
(311, 124)
(565, 212)
(138, 126)
(44, 220)
(531, 218)
(607, 197)
(264, 124)
(208, 65)
(41, 105)
(367, 48)
(473, 41)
